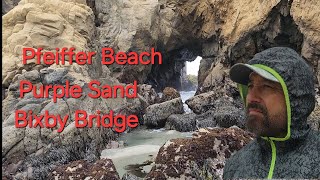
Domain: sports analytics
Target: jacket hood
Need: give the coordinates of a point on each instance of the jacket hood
(296, 79)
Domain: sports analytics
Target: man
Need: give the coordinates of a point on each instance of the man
(278, 90)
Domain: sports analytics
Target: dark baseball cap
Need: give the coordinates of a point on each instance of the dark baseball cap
(240, 73)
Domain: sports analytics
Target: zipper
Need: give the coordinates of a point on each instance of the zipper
(273, 158)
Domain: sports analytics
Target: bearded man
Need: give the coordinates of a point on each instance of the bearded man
(278, 90)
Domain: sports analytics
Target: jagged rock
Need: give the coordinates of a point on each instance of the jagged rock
(204, 69)
(157, 114)
(206, 119)
(227, 116)
(148, 93)
(202, 102)
(182, 122)
(306, 22)
(202, 157)
(127, 26)
(169, 93)
(215, 76)
(55, 76)
(101, 169)
(223, 112)
(53, 23)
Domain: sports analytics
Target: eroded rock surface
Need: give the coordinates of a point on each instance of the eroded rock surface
(169, 93)
(157, 114)
(182, 122)
(223, 112)
(101, 169)
(201, 157)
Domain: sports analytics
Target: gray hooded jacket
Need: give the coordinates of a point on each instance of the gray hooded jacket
(298, 154)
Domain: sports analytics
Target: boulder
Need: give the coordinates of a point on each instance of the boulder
(81, 169)
(169, 93)
(148, 93)
(202, 102)
(157, 114)
(229, 116)
(182, 122)
(223, 112)
(202, 157)
(206, 119)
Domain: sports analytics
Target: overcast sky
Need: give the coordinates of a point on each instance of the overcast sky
(193, 67)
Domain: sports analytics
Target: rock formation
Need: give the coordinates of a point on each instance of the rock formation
(169, 93)
(223, 112)
(101, 169)
(194, 159)
(156, 115)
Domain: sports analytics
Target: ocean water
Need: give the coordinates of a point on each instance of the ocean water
(184, 96)
(142, 146)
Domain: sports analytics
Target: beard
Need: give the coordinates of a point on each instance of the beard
(264, 124)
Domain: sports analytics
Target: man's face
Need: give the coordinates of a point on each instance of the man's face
(266, 107)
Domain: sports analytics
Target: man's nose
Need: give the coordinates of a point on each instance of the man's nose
(253, 95)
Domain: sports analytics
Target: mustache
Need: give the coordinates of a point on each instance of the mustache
(257, 106)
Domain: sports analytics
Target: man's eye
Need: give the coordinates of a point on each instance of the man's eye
(267, 86)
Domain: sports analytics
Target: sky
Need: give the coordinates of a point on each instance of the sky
(193, 67)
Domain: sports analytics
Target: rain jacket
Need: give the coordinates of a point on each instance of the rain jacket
(297, 155)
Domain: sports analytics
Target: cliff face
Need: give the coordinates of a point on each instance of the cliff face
(224, 32)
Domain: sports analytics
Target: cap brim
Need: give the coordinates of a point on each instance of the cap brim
(240, 73)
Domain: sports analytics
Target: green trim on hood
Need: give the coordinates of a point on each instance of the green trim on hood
(273, 159)
(286, 96)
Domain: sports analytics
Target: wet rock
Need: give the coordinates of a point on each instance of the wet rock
(101, 169)
(182, 122)
(169, 93)
(202, 157)
(206, 119)
(224, 112)
(157, 114)
(227, 116)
